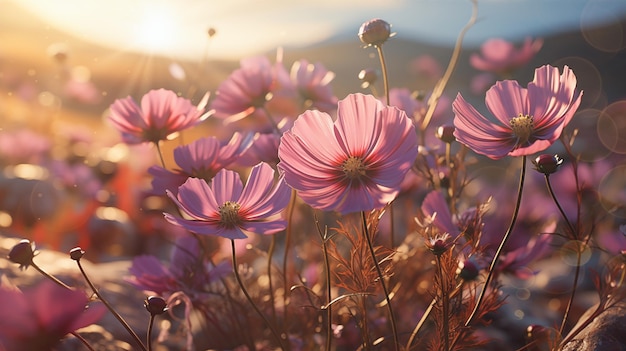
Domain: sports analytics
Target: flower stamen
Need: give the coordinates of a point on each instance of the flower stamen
(229, 214)
(522, 127)
(353, 167)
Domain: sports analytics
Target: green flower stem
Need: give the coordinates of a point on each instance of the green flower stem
(392, 318)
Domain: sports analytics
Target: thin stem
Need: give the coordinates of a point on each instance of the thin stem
(160, 152)
(441, 85)
(558, 205)
(111, 309)
(444, 305)
(578, 254)
(426, 314)
(329, 313)
(494, 261)
(575, 285)
(149, 337)
(383, 67)
(365, 325)
(245, 292)
(288, 231)
(392, 318)
(271, 120)
(50, 276)
(420, 323)
(270, 254)
(83, 340)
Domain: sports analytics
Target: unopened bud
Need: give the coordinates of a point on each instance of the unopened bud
(155, 305)
(77, 253)
(375, 32)
(22, 253)
(446, 134)
(547, 164)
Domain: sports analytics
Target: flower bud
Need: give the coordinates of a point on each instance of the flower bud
(76, 253)
(547, 164)
(446, 134)
(23, 253)
(155, 305)
(375, 32)
(468, 270)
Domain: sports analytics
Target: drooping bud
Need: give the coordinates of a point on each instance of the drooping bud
(446, 134)
(547, 164)
(375, 32)
(155, 305)
(22, 253)
(76, 253)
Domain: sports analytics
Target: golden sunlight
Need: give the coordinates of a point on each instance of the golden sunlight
(156, 30)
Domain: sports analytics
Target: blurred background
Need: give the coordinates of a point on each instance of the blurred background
(80, 56)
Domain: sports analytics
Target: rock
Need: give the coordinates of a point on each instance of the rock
(607, 332)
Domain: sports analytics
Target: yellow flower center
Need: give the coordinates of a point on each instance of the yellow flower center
(522, 127)
(353, 167)
(229, 214)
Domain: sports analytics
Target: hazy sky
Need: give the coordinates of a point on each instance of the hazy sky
(178, 28)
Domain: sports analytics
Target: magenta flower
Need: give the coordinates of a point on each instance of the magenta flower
(356, 163)
(501, 57)
(530, 119)
(226, 208)
(247, 90)
(202, 158)
(313, 84)
(162, 114)
(187, 272)
(41, 316)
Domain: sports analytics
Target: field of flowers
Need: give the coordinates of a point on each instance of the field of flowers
(385, 219)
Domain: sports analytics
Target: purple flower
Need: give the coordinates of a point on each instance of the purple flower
(226, 208)
(187, 272)
(41, 316)
(530, 120)
(202, 159)
(501, 57)
(162, 114)
(313, 84)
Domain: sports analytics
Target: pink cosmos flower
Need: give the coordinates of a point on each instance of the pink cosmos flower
(264, 148)
(530, 120)
(226, 208)
(313, 84)
(501, 57)
(247, 90)
(162, 114)
(202, 158)
(356, 163)
(41, 316)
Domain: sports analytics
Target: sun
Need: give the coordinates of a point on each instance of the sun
(155, 31)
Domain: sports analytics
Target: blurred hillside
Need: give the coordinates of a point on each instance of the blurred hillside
(37, 62)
